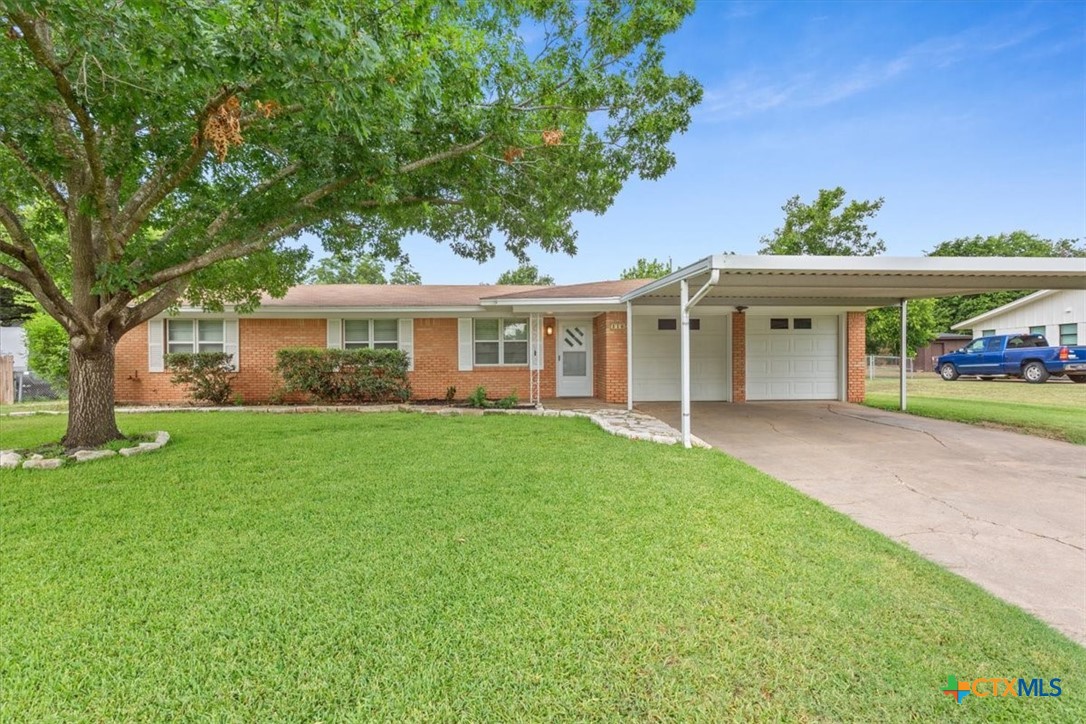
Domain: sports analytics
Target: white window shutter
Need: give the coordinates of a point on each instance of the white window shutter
(535, 343)
(155, 346)
(407, 341)
(230, 342)
(466, 357)
(335, 334)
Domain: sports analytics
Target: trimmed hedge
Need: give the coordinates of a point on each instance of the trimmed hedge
(345, 375)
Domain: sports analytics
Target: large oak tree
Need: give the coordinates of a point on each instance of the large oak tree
(174, 149)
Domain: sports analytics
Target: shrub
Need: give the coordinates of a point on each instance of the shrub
(47, 347)
(450, 393)
(345, 375)
(508, 402)
(208, 375)
(478, 398)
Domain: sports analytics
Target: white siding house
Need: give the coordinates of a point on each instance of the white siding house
(1060, 315)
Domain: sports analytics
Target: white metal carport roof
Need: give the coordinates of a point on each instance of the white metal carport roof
(869, 281)
(861, 282)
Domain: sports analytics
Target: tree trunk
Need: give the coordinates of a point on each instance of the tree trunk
(91, 420)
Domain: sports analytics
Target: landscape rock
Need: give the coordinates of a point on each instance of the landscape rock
(43, 464)
(162, 437)
(82, 456)
(10, 459)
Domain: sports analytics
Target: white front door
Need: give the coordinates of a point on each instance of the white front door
(574, 359)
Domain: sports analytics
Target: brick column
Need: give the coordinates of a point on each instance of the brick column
(739, 357)
(609, 356)
(856, 328)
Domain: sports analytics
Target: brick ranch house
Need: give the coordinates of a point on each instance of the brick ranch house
(727, 328)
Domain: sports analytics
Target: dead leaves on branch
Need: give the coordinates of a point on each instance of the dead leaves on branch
(222, 127)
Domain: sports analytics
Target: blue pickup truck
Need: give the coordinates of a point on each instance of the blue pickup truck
(1028, 356)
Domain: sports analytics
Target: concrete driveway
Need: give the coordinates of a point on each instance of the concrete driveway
(1005, 510)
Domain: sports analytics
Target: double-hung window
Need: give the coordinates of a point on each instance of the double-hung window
(1069, 334)
(501, 341)
(371, 334)
(195, 335)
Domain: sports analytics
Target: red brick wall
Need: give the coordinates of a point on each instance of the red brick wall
(609, 357)
(436, 363)
(255, 382)
(739, 357)
(856, 330)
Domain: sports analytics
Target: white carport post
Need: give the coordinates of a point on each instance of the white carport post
(684, 357)
(629, 355)
(904, 348)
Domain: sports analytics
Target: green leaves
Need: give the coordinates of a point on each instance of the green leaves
(819, 229)
(358, 123)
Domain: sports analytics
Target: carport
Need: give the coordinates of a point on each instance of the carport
(785, 283)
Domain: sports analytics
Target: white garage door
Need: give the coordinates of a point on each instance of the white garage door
(792, 358)
(656, 358)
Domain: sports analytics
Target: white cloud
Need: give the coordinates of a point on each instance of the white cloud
(756, 91)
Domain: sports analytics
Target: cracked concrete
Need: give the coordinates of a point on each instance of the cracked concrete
(1005, 510)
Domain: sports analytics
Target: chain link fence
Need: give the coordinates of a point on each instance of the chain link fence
(885, 366)
(30, 388)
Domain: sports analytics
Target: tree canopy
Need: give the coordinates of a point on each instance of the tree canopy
(645, 269)
(823, 228)
(360, 269)
(175, 152)
(951, 310)
(525, 274)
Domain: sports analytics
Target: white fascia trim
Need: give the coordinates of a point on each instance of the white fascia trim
(901, 264)
(558, 302)
(969, 323)
(321, 312)
(699, 267)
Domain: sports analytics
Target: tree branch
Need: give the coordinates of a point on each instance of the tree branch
(36, 35)
(158, 303)
(163, 181)
(47, 185)
(36, 279)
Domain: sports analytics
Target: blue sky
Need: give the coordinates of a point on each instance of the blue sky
(968, 118)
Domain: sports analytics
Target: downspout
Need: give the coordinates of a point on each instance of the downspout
(686, 303)
(629, 356)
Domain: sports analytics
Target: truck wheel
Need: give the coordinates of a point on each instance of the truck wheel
(1080, 379)
(1034, 372)
(948, 372)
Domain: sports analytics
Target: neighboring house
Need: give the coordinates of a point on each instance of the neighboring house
(13, 342)
(760, 328)
(1058, 314)
(933, 350)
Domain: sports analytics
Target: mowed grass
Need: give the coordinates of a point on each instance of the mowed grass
(407, 567)
(1055, 409)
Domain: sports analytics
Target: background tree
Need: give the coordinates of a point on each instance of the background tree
(951, 310)
(47, 349)
(819, 229)
(884, 328)
(645, 269)
(341, 268)
(14, 309)
(174, 153)
(344, 269)
(404, 273)
(525, 274)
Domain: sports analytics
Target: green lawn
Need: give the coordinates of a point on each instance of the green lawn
(1054, 409)
(403, 567)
